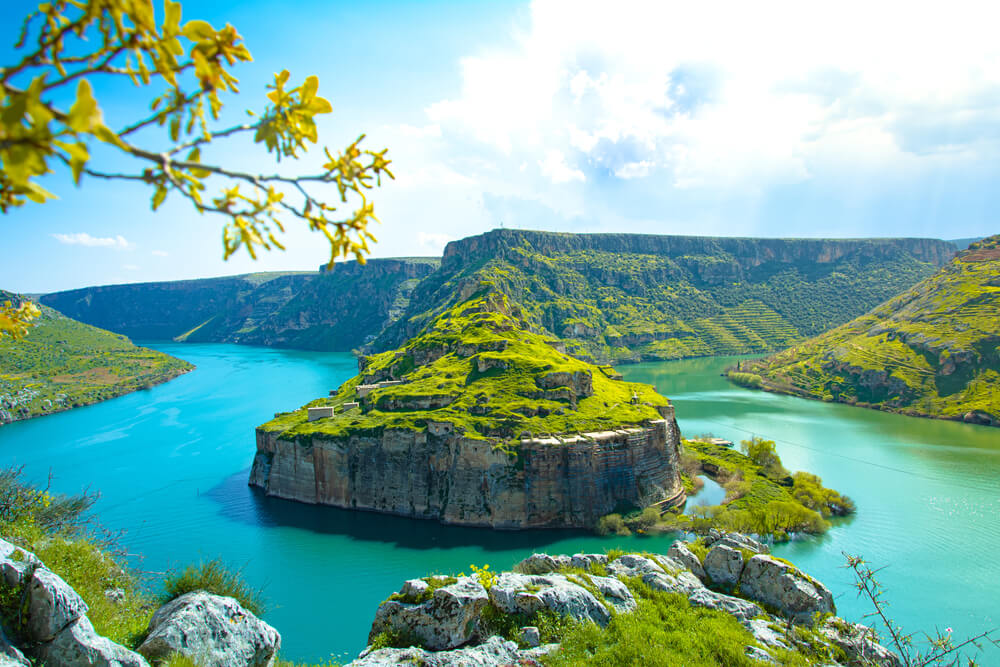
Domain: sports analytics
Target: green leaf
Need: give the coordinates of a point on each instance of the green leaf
(159, 196)
(198, 30)
(78, 157)
(309, 89)
(84, 114)
(172, 17)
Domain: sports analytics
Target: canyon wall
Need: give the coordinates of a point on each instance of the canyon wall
(566, 482)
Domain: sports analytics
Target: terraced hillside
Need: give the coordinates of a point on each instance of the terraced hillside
(64, 364)
(932, 351)
(333, 310)
(627, 297)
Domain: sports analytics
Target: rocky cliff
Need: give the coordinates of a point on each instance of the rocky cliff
(631, 297)
(932, 351)
(477, 422)
(328, 310)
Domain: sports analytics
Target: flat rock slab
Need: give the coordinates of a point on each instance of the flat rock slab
(784, 588)
(494, 652)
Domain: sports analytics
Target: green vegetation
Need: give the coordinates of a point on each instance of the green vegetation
(215, 577)
(761, 497)
(634, 298)
(932, 351)
(62, 364)
(477, 370)
(665, 630)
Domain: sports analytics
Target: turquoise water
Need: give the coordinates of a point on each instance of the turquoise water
(171, 464)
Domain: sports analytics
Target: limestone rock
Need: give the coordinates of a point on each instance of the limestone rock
(680, 552)
(858, 643)
(542, 564)
(527, 594)
(615, 593)
(530, 636)
(14, 562)
(765, 634)
(80, 645)
(52, 605)
(633, 565)
(741, 610)
(723, 566)
(684, 582)
(448, 620)
(10, 655)
(587, 561)
(783, 587)
(740, 541)
(494, 652)
(759, 654)
(215, 631)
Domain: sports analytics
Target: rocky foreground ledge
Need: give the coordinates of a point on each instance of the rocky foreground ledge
(788, 616)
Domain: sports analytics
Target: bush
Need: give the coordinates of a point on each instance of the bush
(213, 577)
(750, 380)
(763, 453)
(612, 524)
(645, 520)
(808, 489)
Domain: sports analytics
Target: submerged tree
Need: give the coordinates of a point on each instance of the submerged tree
(181, 69)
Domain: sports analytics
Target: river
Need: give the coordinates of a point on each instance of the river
(171, 465)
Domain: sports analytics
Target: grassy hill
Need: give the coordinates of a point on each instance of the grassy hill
(477, 368)
(931, 351)
(63, 364)
(630, 297)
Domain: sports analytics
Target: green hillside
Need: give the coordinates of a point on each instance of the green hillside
(932, 351)
(64, 364)
(475, 367)
(629, 297)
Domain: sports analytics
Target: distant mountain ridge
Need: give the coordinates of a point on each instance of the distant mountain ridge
(631, 297)
(932, 351)
(333, 310)
(609, 297)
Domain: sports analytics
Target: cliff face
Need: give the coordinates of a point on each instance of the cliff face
(449, 426)
(932, 351)
(457, 480)
(630, 297)
(333, 310)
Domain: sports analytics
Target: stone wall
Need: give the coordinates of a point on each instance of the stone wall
(567, 481)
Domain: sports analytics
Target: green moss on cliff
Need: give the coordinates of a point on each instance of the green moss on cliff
(63, 363)
(932, 351)
(477, 368)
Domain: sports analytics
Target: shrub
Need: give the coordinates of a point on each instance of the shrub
(645, 520)
(763, 453)
(213, 577)
(612, 524)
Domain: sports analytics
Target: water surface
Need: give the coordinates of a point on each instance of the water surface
(171, 464)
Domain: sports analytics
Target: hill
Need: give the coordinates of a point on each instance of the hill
(631, 297)
(932, 351)
(64, 364)
(477, 421)
(333, 310)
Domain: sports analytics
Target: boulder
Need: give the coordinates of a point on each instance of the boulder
(52, 605)
(740, 541)
(527, 594)
(679, 552)
(783, 587)
(494, 652)
(684, 582)
(588, 561)
(10, 656)
(214, 630)
(542, 564)
(723, 566)
(79, 645)
(741, 610)
(14, 562)
(447, 620)
(633, 565)
(530, 637)
(858, 643)
(615, 594)
(759, 654)
(765, 634)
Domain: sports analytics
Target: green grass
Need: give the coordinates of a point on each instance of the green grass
(491, 372)
(931, 351)
(215, 577)
(63, 363)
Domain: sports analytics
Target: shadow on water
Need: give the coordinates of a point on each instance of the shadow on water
(250, 505)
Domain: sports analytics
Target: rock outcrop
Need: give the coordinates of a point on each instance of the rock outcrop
(53, 628)
(445, 628)
(212, 630)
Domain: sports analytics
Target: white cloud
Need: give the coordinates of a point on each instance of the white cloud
(160, 253)
(432, 244)
(555, 168)
(85, 239)
(724, 95)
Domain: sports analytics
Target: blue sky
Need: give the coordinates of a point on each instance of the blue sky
(735, 119)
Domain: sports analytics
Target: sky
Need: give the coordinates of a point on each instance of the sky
(848, 119)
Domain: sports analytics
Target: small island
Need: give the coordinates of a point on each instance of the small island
(478, 421)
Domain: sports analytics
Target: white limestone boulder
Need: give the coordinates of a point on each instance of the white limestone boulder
(680, 552)
(212, 630)
(79, 645)
(494, 652)
(515, 593)
(448, 619)
(723, 566)
(784, 588)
